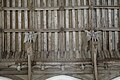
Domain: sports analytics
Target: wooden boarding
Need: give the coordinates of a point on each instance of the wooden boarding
(60, 26)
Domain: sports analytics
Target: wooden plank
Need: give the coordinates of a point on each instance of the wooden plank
(25, 16)
(110, 25)
(55, 27)
(73, 25)
(79, 26)
(70, 33)
(2, 18)
(50, 27)
(35, 45)
(53, 34)
(39, 27)
(62, 35)
(45, 27)
(19, 27)
(8, 27)
(31, 14)
(104, 25)
(116, 25)
(67, 33)
(85, 18)
(99, 25)
(13, 26)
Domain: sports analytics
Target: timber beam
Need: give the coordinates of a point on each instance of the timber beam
(59, 30)
(58, 8)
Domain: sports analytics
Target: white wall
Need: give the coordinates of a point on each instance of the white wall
(118, 78)
(4, 78)
(62, 77)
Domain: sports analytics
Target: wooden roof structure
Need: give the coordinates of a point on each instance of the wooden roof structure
(67, 39)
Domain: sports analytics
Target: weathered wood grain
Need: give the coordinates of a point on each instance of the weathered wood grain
(50, 27)
(111, 47)
(60, 25)
(39, 27)
(2, 26)
(99, 25)
(104, 25)
(8, 27)
(116, 25)
(45, 26)
(19, 27)
(110, 25)
(67, 26)
(25, 16)
(85, 20)
(74, 25)
(13, 26)
(79, 26)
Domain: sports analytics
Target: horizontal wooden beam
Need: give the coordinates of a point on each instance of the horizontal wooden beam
(37, 72)
(59, 30)
(13, 60)
(58, 8)
(63, 63)
(86, 71)
(87, 61)
(13, 72)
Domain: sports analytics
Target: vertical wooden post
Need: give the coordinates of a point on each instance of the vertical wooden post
(29, 44)
(29, 40)
(29, 52)
(94, 53)
(93, 43)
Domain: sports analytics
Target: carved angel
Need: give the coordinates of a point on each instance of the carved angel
(93, 35)
(30, 37)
